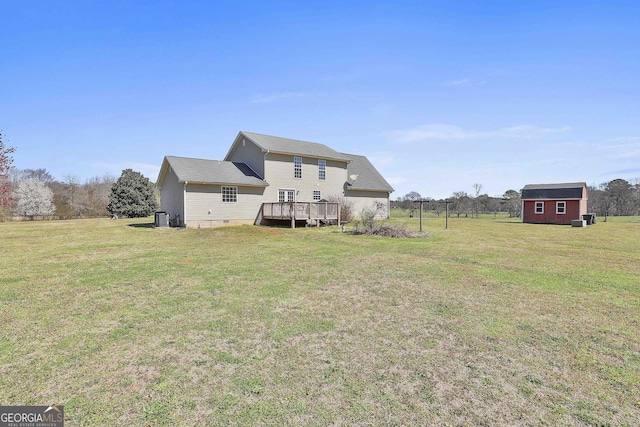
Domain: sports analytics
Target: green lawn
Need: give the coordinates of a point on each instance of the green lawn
(491, 322)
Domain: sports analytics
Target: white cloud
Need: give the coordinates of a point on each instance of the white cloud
(148, 170)
(627, 172)
(396, 181)
(630, 155)
(453, 132)
(381, 159)
(438, 158)
(461, 82)
(625, 148)
(428, 132)
(625, 140)
(267, 98)
(340, 78)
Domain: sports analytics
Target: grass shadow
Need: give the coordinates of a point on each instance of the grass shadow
(143, 225)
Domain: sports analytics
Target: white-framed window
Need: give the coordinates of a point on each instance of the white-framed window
(229, 194)
(539, 208)
(286, 195)
(561, 208)
(317, 195)
(322, 170)
(297, 167)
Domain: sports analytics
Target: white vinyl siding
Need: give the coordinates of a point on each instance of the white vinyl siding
(204, 203)
(247, 152)
(360, 200)
(172, 196)
(279, 176)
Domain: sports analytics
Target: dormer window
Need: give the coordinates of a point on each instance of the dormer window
(297, 167)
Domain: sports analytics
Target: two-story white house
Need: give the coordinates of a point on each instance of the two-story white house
(262, 169)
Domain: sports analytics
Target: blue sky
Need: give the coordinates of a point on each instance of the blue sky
(439, 95)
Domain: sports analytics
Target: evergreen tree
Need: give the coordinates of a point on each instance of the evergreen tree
(132, 196)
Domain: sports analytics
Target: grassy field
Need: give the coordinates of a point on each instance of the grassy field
(491, 322)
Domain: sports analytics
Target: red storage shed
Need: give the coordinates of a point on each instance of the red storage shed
(554, 203)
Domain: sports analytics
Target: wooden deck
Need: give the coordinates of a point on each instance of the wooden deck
(300, 211)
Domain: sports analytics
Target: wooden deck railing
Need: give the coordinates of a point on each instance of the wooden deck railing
(297, 211)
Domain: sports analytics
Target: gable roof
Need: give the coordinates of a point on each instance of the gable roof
(367, 176)
(570, 190)
(276, 144)
(201, 171)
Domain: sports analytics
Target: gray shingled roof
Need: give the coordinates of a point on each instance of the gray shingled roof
(293, 146)
(368, 177)
(214, 172)
(570, 190)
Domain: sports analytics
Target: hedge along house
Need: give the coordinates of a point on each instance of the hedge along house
(554, 203)
(261, 174)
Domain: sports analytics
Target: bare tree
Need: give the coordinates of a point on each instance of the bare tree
(621, 194)
(71, 195)
(437, 206)
(513, 203)
(477, 188)
(409, 199)
(6, 201)
(95, 194)
(461, 203)
(38, 174)
(600, 201)
(346, 206)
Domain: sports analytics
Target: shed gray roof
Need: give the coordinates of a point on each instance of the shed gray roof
(203, 171)
(293, 146)
(570, 190)
(368, 177)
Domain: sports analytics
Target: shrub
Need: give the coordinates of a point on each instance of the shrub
(369, 225)
(346, 207)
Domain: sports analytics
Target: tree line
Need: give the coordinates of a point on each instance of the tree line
(35, 193)
(463, 204)
(618, 197)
